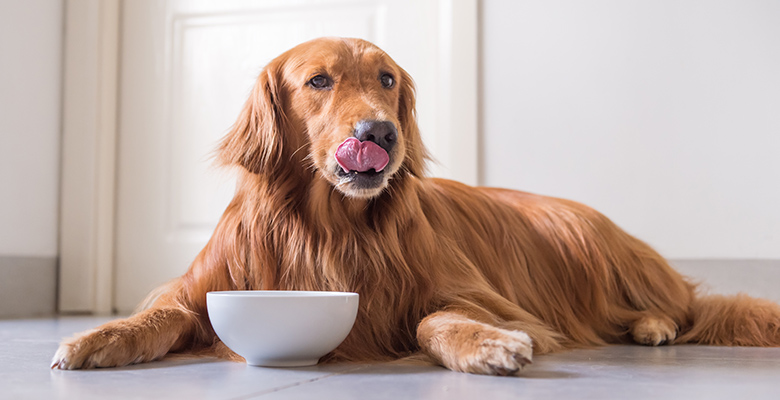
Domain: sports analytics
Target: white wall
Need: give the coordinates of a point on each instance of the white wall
(30, 81)
(664, 115)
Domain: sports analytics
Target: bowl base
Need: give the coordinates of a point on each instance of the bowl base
(283, 363)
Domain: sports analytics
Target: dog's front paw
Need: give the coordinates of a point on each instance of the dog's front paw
(103, 347)
(465, 345)
(90, 349)
(497, 352)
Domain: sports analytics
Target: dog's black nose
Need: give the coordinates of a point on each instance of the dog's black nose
(382, 133)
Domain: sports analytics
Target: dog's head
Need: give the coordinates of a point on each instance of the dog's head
(339, 107)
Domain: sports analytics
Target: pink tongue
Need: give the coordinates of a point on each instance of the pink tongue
(354, 155)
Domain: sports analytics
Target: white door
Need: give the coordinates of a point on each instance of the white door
(186, 69)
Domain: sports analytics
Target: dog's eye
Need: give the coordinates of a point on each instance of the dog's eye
(320, 82)
(387, 81)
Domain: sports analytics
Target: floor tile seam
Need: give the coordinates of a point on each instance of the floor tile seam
(300, 383)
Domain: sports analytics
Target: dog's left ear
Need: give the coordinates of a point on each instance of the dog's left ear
(416, 153)
(256, 140)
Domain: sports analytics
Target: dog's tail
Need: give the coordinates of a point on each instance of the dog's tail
(738, 320)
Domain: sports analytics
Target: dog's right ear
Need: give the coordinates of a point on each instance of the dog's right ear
(255, 141)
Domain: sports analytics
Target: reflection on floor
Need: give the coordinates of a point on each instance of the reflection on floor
(620, 372)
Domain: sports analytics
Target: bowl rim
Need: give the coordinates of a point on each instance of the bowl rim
(279, 293)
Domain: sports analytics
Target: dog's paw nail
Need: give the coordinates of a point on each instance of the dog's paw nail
(522, 360)
(503, 371)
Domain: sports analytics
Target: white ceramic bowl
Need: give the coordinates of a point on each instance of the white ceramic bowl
(275, 328)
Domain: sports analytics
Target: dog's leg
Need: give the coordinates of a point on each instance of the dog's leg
(146, 336)
(466, 345)
(654, 330)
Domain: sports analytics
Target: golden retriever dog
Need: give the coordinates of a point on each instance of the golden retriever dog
(332, 195)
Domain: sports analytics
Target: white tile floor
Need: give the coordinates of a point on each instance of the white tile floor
(620, 372)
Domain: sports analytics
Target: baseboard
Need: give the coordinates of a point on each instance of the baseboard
(760, 278)
(28, 286)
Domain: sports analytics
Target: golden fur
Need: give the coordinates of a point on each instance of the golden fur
(471, 277)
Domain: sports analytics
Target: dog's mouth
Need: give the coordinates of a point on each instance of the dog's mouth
(361, 164)
(354, 155)
(370, 179)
